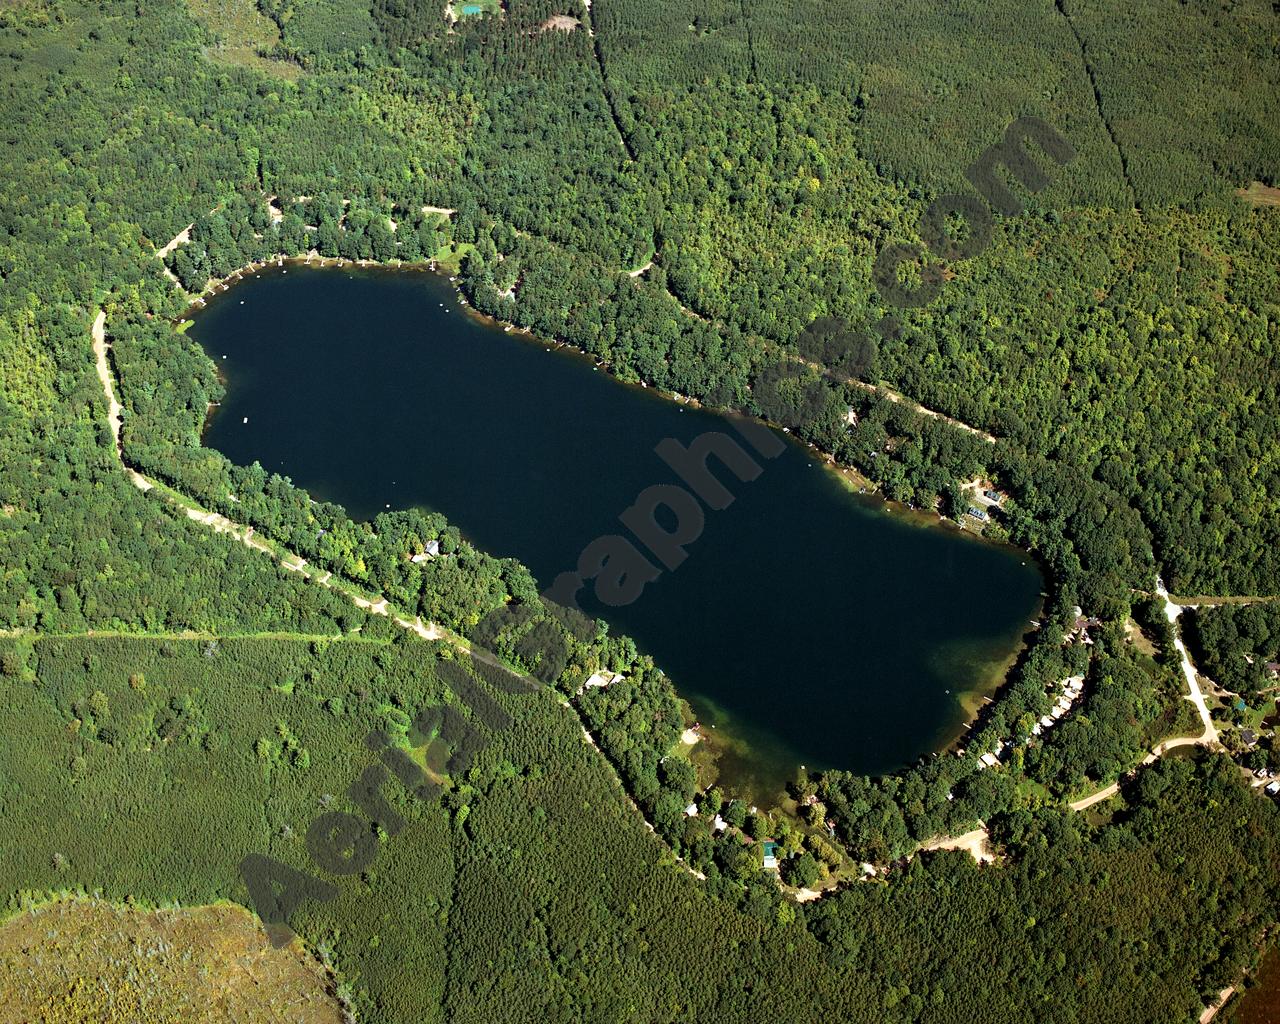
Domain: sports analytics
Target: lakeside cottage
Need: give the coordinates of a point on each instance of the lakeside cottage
(1080, 626)
(430, 550)
(602, 678)
(1068, 694)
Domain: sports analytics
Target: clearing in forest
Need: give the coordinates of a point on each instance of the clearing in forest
(82, 960)
(560, 23)
(1260, 194)
(242, 31)
(470, 8)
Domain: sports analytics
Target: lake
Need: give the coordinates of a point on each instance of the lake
(808, 625)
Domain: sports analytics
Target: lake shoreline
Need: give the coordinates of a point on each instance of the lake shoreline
(215, 285)
(971, 701)
(851, 476)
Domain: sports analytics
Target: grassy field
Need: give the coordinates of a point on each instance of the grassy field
(242, 31)
(81, 960)
(1260, 194)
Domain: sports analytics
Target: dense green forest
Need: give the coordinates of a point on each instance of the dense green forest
(147, 768)
(1239, 646)
(1117, 340)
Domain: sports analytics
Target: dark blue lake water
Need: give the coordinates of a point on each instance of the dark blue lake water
(808, 624)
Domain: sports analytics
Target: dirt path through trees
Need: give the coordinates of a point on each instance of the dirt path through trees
(1172, 611)
(377, 604)
(976, 844)
(1207, 738)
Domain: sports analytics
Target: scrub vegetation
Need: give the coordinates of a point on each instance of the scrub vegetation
(172, 700)
(85, 960)
(534, 885)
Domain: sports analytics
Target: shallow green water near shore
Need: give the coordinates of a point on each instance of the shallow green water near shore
(808, 624)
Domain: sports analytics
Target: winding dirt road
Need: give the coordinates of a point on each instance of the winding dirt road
(378, 605)
(1207, 738)
(115, 411)
(1171, 612)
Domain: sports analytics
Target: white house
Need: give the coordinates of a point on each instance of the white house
(430, 550)
(602, 678)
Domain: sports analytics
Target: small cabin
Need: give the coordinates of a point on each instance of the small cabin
(598, 680)
(429, 550)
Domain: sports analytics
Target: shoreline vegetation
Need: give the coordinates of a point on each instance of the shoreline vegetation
(972, 701)
(1118, 337)
(447, 264)
(981, 731)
